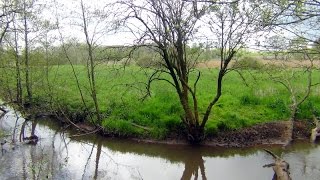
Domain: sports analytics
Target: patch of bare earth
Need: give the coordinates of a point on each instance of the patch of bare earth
(272, 133)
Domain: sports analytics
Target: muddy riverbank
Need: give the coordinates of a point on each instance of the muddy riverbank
(270, 133)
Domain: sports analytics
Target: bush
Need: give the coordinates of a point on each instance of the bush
(147, 61)
(248, 62)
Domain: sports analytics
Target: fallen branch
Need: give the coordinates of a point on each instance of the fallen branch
(69, 121)
(315, 132)
(3, 109)
(142, 127)
(88, 133)
(280, 167)
(2, 115)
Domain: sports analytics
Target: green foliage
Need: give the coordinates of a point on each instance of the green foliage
(278, 105)
(148, 60)
(119, 97)
(248, 62)
(249, 100)
(121, 128)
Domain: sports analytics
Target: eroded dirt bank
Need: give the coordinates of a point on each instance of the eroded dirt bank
(271, 133)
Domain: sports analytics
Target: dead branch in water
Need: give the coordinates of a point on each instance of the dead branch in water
(280, 167)
(315, 132)
(3, 110)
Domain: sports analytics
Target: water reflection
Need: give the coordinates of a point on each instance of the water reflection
(33, 138)
(57, 156)
(99, 146)
(193, 165)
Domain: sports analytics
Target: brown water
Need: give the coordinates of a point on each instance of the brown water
(59, 156)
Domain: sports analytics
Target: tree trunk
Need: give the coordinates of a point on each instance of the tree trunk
(18, 68)
(26, 55)
(294, 109)
(91, 66)
(195, 134)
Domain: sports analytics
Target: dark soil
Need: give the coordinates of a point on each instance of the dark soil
(273, 133)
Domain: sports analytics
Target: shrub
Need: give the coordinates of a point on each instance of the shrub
(147, 61)
(248, 62)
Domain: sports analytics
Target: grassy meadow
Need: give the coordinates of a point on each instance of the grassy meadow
(121, 93)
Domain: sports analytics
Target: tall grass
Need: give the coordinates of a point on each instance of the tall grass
(120, 93)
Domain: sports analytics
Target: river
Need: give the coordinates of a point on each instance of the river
(58, 155)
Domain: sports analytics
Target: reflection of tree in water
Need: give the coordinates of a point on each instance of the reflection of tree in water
(33, 138)
(98, 154)
(101, 157)
(194, 164)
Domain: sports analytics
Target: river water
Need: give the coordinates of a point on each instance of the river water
(58, 155)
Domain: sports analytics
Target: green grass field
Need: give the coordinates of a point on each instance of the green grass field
(120, 91)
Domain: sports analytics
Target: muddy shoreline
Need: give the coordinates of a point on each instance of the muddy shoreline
(266, 134)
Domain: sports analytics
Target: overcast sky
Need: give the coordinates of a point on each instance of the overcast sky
(68, 14)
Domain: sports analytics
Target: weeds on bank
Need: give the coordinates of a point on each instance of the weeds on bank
(247, 100)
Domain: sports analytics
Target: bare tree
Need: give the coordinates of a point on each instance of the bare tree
(7, 9)
(168, 26)
(94, 24)
(286, 76)
(277, 45)
(26, 7)
(91, 61)
(18, 65)
(299, 21)
(24, 26)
